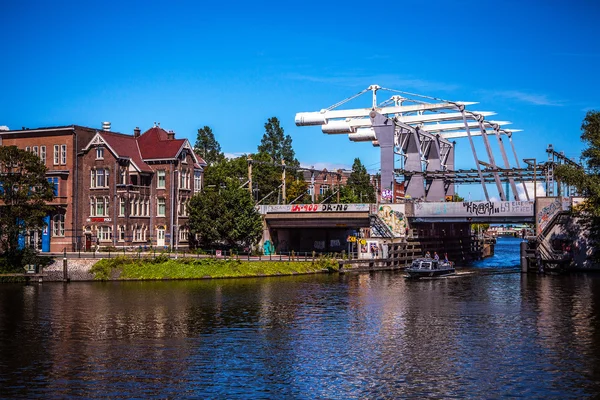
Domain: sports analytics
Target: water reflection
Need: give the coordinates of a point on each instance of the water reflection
(327, 336)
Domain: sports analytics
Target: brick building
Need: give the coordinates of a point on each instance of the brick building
(113, 189)
(321, 181)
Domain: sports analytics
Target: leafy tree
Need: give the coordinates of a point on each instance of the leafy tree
(358, 188)
(298, 190)
(277, 145)
(274, 147)
(207, 146)
(225, 215)
(235, 168)
(24, 192)
(587, 180)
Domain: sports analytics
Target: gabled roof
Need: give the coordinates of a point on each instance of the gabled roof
(121, 146)
(154, 144)
(201, 163)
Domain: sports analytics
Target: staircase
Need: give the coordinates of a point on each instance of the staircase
(379, 228)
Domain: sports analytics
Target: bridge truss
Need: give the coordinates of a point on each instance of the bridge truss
(422, 131)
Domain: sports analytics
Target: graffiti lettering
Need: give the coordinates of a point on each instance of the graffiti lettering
(481, 208)
(546, 214)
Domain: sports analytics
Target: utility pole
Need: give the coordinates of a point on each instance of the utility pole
(283, 181)
(250, 175)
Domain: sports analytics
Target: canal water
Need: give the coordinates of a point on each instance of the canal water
(306, 337)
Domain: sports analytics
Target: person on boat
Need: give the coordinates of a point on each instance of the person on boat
(428, 254)
(445, 257)
(435, 256)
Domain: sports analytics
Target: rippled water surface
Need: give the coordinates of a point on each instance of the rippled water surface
(327, 336)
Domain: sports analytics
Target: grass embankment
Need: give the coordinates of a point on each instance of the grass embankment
(123, 268)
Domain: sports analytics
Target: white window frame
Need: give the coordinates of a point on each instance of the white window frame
(99, 153)
(197, 181)
(43, 154)
(35, 150)
(58, 225)
(323, 189)
(56, 154)
(122, 229)
(161, 203)
(122, 206)
(105, 233)
(161, 174)
(63, 154)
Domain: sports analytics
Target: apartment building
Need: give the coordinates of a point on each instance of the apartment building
(57, 148)
(114, 189)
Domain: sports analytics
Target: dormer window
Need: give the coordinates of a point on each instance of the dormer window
(100, 153)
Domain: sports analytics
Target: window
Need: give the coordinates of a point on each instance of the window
(184, 179)
(121, 233)
(197, 181)
(184, 233)
(139, 233)
(63, 154)
(100, 153)
(99, 178)
(324, 189)
(58, 225)
(123, 174)
(122, 205)
(104, 233)
(99, 206)
(43, 154)
(161, 181)
(54, 181)
(27, 148)
(35, 150)
(56, 154)
(161, 208)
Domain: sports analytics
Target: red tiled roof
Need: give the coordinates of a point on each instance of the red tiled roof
(155, 144)
(126, 146)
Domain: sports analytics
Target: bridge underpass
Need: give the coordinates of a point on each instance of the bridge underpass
(326, 227)
(323, 228)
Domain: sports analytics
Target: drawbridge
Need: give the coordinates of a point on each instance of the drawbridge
(423, 130)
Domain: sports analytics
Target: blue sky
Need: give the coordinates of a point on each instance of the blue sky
(232, 65)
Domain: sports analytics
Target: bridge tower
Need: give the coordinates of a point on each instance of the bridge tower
(422, 131)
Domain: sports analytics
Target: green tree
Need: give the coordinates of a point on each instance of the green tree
(225, 214)
(24, 192)
(277, 145)
(218, 173)
(587, 180)
(207, 146)
(358, 188)
(298, 190)
(274, 147)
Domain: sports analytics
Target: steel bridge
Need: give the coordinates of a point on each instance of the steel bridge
(422, 130)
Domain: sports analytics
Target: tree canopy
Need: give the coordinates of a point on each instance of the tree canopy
(587, 180)
(358, 189)
(207, 146)
(24, 191)
(274, 147)
(225, 215)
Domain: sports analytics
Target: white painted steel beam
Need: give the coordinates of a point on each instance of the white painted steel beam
(322, 117)
(463, 134)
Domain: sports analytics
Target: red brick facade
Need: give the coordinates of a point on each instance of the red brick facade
(115, 189)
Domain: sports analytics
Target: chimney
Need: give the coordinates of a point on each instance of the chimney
(106, 126)
(136, 132)
(170, 135)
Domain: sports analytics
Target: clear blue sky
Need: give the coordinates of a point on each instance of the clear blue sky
(232, 65)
